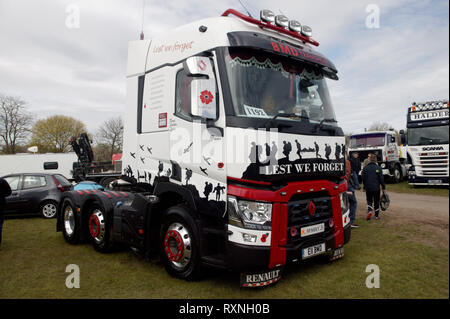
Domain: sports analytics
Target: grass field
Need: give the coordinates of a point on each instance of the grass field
(404, 187)
(33, 259)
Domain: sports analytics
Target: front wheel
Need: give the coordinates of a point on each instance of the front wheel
(397, 177)
(179, 246)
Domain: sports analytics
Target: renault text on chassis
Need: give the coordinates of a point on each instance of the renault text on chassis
(384, 145)
(427, 125)
(232, 151)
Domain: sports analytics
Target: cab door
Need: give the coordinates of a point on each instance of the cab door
(196, 133)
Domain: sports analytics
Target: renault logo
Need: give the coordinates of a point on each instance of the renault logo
(311, 207)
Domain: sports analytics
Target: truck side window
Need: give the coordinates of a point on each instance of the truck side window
(183, 95)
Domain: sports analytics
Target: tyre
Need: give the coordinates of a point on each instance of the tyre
(397, 176)
(99, 228)
(179, 244)
(48, 209)
(70, 224)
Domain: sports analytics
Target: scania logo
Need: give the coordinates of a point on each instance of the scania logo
(433, 148)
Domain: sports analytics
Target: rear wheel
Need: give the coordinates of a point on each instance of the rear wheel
(48, 209)
(99, 228)
(179, 246)
(70, 224)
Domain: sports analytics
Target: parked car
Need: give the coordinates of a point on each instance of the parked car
(87, 185)
(35, 193)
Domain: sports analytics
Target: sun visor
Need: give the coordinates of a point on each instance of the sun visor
(261, 41)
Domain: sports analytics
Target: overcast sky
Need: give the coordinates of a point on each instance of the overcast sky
(80, 72)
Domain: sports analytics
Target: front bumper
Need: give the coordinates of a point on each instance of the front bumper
(248, 258)
(429, 180)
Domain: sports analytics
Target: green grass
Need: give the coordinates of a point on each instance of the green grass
(404, 187)
(34, 257)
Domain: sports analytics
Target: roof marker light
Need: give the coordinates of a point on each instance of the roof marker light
(281, 21)
(267, 16)
(295, 26)
(306, 31)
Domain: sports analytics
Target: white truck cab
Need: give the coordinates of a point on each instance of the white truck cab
(384, 144)
(231, 136)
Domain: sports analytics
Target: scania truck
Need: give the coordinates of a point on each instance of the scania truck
(232, 154)
(384, 144)
(427, 137)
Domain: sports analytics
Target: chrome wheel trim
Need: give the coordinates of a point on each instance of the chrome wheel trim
(182, 231)
(98, 230)
(49, 210)
(397, 174)
(69, 220)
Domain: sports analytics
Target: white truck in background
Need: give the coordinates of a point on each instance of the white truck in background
(384, 144)
(57, 163)
(428, 148)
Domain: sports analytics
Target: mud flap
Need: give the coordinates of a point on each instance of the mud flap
(261, 279)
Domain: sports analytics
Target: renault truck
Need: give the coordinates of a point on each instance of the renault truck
(232, 157)
(427, 138)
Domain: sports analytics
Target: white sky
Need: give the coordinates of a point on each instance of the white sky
(81, 72)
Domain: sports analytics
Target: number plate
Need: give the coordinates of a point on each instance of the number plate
(313, 251)
(434, 181)
(311, 230)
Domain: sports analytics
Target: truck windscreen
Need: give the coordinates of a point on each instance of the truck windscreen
(369, 140)
(431, 135)
(263, 85)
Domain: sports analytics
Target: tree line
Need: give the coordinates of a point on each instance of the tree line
(19, 131)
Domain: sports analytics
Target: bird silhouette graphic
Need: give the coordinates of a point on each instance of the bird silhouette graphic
(141, 147)
(133, 155)
(149, 149)
(207, 160)
(188, 148)
(203, 170)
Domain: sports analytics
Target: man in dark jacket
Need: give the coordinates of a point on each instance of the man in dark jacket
(372, 177)
(356, 167)
(5, 191)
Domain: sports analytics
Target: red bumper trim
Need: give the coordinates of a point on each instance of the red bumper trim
(280, 199)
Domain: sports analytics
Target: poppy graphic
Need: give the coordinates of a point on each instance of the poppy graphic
(206, 97)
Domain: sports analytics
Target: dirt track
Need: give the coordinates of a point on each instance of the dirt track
(429, 213)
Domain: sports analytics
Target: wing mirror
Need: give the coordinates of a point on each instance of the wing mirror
(203, 87)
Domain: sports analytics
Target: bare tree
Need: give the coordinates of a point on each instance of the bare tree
(111, 134)
(15, 122)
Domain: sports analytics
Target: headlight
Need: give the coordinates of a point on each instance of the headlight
(249, 214)
(383, 165)
(344, 202)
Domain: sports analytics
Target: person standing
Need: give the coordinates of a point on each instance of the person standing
(372, 177)
(5, 191)
(356, 168)
(353, 203)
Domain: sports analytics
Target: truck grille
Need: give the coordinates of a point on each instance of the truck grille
(433, 164)
(299, 214)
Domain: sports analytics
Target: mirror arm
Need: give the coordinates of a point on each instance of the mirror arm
(210, 124)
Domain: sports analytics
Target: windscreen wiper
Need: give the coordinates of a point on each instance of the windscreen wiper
(319, 127)
(269, 123)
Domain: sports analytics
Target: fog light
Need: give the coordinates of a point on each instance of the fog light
(249, 238)
(383, 165)
(295, 26)
(281, 21)
(306, 31)
(331, 222)
(267, 16)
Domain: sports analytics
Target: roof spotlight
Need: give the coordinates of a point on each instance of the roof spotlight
(295, 26)
(281, 21)
(267, 16)
(306, 31)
